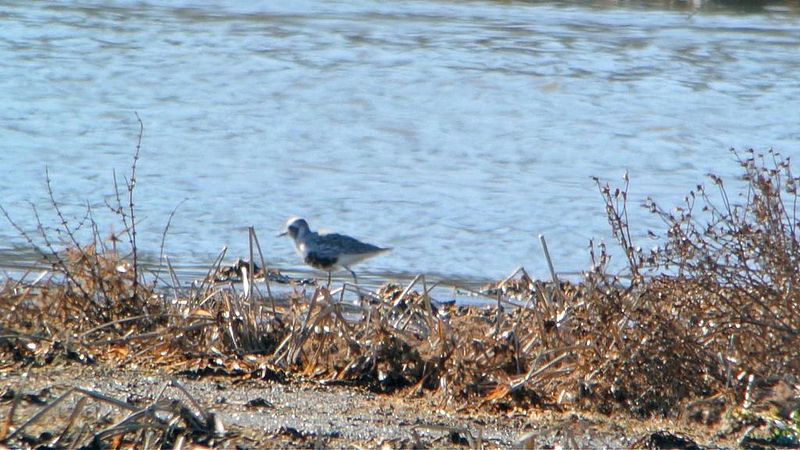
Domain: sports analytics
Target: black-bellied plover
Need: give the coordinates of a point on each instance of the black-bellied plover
(328, 252)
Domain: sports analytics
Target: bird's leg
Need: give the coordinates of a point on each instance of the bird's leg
(352, 273)
(329, 281)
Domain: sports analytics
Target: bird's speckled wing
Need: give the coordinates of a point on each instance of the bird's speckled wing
(335, 244)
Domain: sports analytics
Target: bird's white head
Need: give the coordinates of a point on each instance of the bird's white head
(296, 227)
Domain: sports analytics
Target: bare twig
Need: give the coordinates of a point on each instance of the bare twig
(131, 185)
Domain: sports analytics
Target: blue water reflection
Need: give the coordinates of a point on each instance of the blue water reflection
(454, 132)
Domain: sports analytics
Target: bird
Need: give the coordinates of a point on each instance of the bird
(329, 252)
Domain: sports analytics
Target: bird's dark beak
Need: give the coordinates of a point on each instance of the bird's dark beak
(282, 234)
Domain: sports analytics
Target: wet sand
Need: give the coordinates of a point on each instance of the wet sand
(258, 413)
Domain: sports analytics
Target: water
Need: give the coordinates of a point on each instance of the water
(455, 132)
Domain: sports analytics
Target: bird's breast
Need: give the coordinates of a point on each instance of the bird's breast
(319, 260)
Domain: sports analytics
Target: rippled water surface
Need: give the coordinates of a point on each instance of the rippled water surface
(455, 132)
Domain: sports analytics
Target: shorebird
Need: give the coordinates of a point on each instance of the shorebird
(328, 252)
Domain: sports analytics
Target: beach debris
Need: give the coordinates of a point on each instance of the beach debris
(666, 440)
(161, 422)
(259, 403)
(234, 272)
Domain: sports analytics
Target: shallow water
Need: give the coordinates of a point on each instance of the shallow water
(455, 132)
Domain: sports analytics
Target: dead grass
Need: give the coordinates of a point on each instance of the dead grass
(701, 325)
(166, 422)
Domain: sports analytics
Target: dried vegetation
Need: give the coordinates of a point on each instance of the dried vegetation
(706, 325)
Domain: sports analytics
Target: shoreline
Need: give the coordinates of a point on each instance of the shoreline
(708, 344)
(259, 413)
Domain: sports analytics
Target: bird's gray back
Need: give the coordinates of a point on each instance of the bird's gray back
(335, 244)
